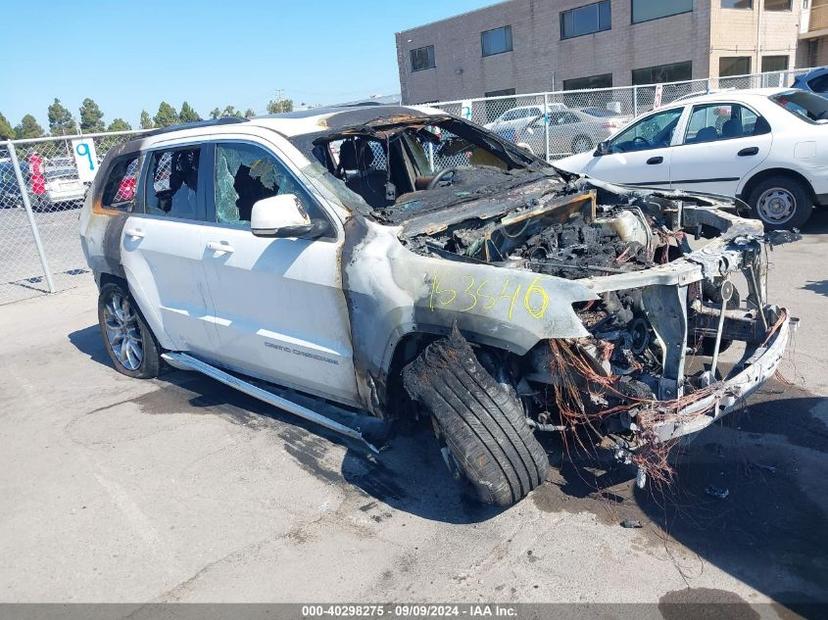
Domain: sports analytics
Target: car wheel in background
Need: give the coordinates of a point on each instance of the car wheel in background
(127, 338)
(581, 144)
(781, 202)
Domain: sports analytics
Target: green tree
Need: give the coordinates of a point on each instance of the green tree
(6, 130)
(120, 124)
(166, 115)
(279, 104)
(231, 111)
(91, 117)
(146, 120)
(188, 114)
(28, 128)
(61, 122)
(215, 113)
(249, 113)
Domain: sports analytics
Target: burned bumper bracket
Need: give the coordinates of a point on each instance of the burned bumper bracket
(729, 395)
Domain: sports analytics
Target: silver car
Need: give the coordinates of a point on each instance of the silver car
(570, 131)
(62, 183)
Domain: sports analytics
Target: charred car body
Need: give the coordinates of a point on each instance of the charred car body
(373, 258)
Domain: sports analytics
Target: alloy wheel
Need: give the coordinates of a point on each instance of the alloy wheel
(123, 331)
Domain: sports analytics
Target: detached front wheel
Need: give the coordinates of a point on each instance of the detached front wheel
(127, 338)
(481, 425)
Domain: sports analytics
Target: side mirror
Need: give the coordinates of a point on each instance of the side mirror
(280, 216)
(602, 149)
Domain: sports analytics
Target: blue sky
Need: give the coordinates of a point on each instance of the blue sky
(128, 56)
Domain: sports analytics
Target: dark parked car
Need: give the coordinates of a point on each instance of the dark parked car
(9, 188)
(815, 81)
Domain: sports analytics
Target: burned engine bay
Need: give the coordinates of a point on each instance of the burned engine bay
(677, 281)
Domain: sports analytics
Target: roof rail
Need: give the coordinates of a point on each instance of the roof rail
(226, 120)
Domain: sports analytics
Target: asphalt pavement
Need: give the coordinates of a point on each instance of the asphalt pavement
(178, 489)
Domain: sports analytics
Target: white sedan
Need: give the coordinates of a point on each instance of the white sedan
(768, 147)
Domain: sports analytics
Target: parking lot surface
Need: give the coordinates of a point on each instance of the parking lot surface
(21, 274)
(178, 489)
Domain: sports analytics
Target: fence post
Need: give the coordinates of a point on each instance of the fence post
(635, 101)
(546, 123)
(24, 194)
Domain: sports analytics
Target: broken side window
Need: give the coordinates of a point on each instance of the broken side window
(119, 190)
(245, 174)
(173, 190)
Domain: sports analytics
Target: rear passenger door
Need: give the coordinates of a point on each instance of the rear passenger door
(280, 311)
(723, 142)
(162, 248)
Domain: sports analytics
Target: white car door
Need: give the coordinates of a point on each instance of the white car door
(280, 311)
(722, 144)
(162, 249)
(639, 155)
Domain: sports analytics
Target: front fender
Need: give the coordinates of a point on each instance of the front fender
(392, 292)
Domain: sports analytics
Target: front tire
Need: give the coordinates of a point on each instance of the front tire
(127, 337)
(479, 422)
(781, 202)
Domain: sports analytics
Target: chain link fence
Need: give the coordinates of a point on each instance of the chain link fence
(557, 124)
(41, 190)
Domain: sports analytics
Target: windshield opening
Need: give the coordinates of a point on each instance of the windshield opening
(384, 162)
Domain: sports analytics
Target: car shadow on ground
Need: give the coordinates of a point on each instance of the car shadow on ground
(90, 342)
(820, 287)
(749, 496)
(409, 474)
(818, 224)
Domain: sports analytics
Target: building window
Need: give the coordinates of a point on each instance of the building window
(593, 81)
(586, 19)
(774, 63)
(496, 41)
(500, 93)
(593, 98)
(676, 72)
(646, 10)
(422, 58)
(778, 5)
(737, 4)
(734, 65)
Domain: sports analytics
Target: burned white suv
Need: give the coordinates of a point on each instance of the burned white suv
(355, 265)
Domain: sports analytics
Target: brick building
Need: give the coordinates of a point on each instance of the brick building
(525, 46)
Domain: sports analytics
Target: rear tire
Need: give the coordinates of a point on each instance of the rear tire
(781, 202)
(127, 337)
(482, 425)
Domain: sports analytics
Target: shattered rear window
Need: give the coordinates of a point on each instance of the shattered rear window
(119, 190)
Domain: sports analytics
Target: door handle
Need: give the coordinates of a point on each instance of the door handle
(655, 160)
(220, 246)
(135, 233)
(752, 150)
